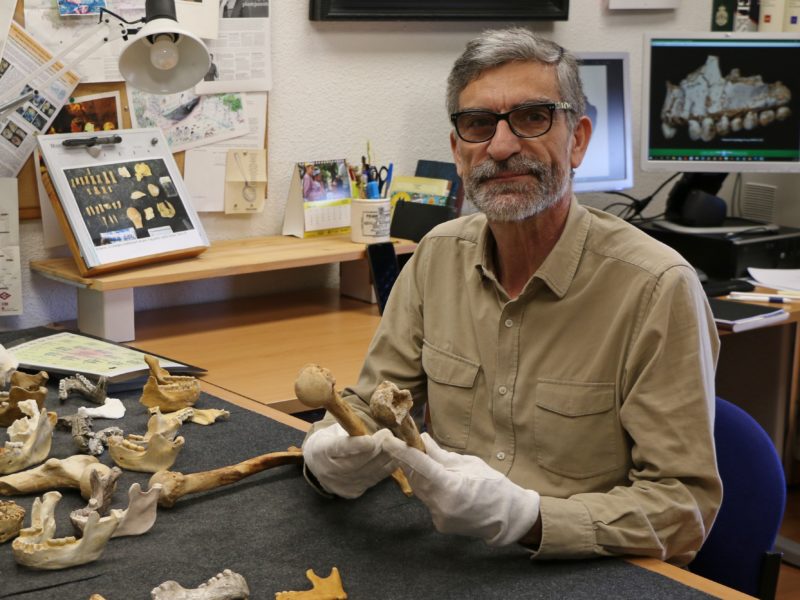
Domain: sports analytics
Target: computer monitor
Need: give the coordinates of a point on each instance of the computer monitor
(721, 102)
(608, 163)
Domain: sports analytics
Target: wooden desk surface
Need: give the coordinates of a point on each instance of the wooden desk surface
(223, 258)
(256, 346)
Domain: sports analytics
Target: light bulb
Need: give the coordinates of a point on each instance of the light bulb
(164, 53)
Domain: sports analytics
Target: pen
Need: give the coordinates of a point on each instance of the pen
(762, 297)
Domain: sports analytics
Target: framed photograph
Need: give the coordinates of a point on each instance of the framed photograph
(120, 199)
(438, 10)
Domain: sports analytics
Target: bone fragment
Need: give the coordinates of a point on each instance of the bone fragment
(176, 485)
(207, 416)
(102, 486)
(95, 392)
(30, 439)
(157, 454)
(137, 519)
(28, 381)
(390, 407)
(35, 547)
(315, 387)
(8, 364)
(168, 392)
(72, 472)
(323, 588)
(223, 586)
(11, 516)
(10, 401)
(112, 408)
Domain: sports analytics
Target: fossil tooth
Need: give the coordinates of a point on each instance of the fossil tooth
(135, 195)
(153, 189)
(149, 213)
(135, 216)
(142, 170)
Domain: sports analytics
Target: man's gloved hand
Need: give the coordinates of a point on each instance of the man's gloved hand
(345, 465)
(464, 494)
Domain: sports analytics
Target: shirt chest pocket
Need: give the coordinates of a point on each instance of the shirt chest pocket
(451, 394)
(576, 428)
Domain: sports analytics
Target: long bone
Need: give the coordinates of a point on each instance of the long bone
(176, 485)
(71, 472)
(390, 407)
(315, 387)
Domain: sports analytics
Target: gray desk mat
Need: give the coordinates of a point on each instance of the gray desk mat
(272, 527)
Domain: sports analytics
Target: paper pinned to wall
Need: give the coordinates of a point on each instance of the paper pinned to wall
(204, 168)
(189, 120)
(10, 270)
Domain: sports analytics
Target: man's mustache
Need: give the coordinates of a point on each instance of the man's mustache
(517, 165)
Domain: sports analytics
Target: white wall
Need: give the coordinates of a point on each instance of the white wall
(337, 85)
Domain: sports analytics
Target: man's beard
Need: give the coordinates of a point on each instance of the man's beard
(515, 201)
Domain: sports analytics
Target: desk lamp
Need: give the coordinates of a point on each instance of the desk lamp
(161, 57)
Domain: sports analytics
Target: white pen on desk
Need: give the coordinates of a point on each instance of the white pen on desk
(755, 297)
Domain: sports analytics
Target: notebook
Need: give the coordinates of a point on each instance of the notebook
(740, 316)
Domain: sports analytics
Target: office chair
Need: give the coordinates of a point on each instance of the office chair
(739, 551)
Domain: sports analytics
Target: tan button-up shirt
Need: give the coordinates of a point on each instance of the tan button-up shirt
(595, 387)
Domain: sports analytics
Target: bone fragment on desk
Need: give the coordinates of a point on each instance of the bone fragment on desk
(168, 392)
(157, 454)
(175, 485)
(29, 438)
(37, 548)
(71, 472)
(85, 438)
(80, 384)
(227, 585)
(10, 400)
(11, 517)
(323, 588)
(136, 519)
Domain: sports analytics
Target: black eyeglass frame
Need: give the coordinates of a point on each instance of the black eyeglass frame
(551, 106)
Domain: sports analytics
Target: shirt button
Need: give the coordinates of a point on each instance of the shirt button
(509, 323)
(500, 455)
(502, 389)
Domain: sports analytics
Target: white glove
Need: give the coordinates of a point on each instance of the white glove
(465, 495)
(346, 465)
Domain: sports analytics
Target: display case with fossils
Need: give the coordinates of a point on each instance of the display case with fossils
(120, 199)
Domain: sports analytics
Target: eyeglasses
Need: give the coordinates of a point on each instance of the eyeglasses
(527, 121)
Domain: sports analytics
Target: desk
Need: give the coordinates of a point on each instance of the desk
(271, 527)
(105, 302)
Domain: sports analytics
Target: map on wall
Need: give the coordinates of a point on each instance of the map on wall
(189, 120)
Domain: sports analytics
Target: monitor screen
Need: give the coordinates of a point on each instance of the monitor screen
(720, 102)
(607, 165)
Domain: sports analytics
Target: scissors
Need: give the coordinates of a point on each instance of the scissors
(379, 174)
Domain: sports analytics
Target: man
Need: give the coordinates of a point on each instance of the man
(565, 358)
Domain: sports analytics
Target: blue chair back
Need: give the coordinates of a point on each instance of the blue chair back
(739, 549)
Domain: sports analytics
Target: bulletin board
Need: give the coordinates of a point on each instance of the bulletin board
(29, 207)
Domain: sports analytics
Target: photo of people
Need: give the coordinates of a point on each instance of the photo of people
(324, 180)
(80, 7)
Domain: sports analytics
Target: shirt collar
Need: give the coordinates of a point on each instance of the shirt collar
(560, 266)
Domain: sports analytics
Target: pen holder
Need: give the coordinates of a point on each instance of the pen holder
(370, 220)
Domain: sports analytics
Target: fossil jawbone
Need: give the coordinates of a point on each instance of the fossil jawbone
(30, 439)
(35, 547)
(10, 401)
(224, 586)
(168, 392)
(137, 519)
(11, 516)
(156, 455)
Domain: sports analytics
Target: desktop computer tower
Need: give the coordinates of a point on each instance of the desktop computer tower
(726, 256)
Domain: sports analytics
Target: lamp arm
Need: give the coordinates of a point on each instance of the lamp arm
(111, 33)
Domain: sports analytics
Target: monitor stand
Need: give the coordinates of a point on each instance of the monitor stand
(729, 225)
